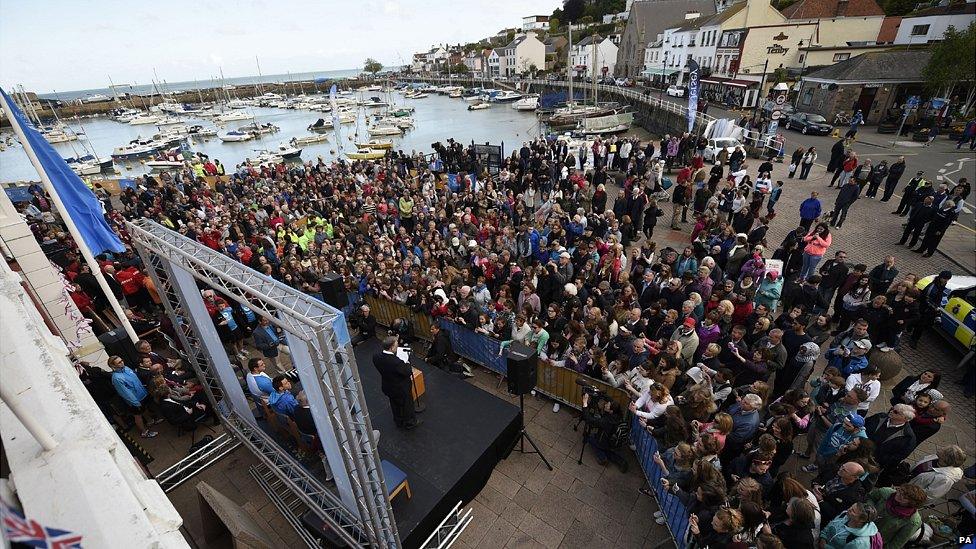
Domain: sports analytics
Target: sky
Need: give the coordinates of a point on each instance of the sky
(64, 45)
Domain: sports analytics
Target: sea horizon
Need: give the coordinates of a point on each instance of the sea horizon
(169, 87)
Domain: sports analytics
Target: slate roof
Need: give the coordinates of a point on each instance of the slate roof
(958, 8)
(881, 66)
(713, 19)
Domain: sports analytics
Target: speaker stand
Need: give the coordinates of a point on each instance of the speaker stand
(523, 436)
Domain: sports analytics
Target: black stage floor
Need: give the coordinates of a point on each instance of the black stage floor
(465, 432)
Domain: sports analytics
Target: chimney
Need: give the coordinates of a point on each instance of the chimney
(842, 8)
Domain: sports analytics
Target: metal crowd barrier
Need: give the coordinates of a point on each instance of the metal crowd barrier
(386, 311)
(477, 348)
(672, 507)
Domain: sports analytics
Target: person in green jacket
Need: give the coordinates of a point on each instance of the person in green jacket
(898, 519)
(852, 529)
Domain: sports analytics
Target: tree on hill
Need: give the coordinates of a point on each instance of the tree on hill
(372, 66)
(573, 10)
(953, 62)
(553, 24)
(459, 68)
(898, 7)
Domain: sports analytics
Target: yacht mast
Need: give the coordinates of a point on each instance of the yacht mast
(569, 65)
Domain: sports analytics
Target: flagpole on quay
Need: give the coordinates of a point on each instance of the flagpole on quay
(69, 223)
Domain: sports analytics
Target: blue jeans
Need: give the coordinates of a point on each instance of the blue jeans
(809, 265)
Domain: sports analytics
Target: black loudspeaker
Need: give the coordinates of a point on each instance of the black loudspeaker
(333, 292)
(522, 362)
(117, 343)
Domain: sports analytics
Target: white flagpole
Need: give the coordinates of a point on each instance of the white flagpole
(70, 224)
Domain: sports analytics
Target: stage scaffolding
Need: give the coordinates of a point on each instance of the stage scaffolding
(360, 512)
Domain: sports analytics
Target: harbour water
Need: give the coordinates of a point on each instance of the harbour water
(437, 118)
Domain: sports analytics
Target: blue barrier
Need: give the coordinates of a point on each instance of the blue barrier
(672, 507)
(477, 348)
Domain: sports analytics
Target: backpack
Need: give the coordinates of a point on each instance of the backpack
(876, 541)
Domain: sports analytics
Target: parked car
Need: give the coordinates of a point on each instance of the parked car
(957, 315)
(675, 91)
(809, 123)
(716, 145)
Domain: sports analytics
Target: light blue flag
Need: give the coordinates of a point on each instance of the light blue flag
(79, 201)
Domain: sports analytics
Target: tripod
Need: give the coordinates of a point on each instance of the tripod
(523, 436)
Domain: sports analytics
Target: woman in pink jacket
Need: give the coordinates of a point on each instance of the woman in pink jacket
(817, 243)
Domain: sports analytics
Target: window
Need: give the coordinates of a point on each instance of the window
(920, 30)
(802, 57)
(841, 57)
(808, 96)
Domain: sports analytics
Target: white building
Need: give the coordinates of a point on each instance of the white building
(535, 23)
(929, 24)
(496, 64)
(477, 62)
(519, 56)
(582, 56)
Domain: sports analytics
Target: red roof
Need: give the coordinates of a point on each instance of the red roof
(889, 30)
(814, 9)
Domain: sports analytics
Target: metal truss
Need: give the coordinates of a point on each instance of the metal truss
(333, 362)
(449, 530)
(289, 505)
(184, 469)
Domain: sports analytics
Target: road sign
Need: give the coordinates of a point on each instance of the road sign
(780, 99)
(776, 114)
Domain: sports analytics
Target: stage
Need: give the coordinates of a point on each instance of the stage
(448, 458)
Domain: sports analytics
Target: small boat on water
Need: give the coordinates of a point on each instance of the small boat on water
(163, 165)
(236, 104)
(82, 167)
(320, 125)
(528, 102)
(103, 164)
(259, 129)
(285, 152)
(233, 116)
(309, 139)
(479, 106)
(366, 154)
(403, 111)
(505, 97)
(56, 135)
(456, 94)
(373, 102)
(144, 119)
(202, 131)
(137, 148)
(385, 130)
(168, 121)
(378, 144)
(235, 136)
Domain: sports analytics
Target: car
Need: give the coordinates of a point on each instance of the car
(675, 91)
(957, 313)
(716, 145)
(809, 123)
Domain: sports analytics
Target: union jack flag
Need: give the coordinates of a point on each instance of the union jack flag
(30, 533)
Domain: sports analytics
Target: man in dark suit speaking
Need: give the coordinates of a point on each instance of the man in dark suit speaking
(395, 374)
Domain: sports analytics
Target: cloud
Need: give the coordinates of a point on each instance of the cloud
(216, 59)
(391, 7)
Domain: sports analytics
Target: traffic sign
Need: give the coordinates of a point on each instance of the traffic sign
(780, 99)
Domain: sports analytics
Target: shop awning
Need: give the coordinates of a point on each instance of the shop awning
(729, 82)
(659, 72)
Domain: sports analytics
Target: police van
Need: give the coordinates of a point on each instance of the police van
(957, 319)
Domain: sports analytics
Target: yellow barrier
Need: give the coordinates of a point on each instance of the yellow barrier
(560, 384)
(387, 311)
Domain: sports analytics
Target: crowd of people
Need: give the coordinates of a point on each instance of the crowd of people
(716, 341)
